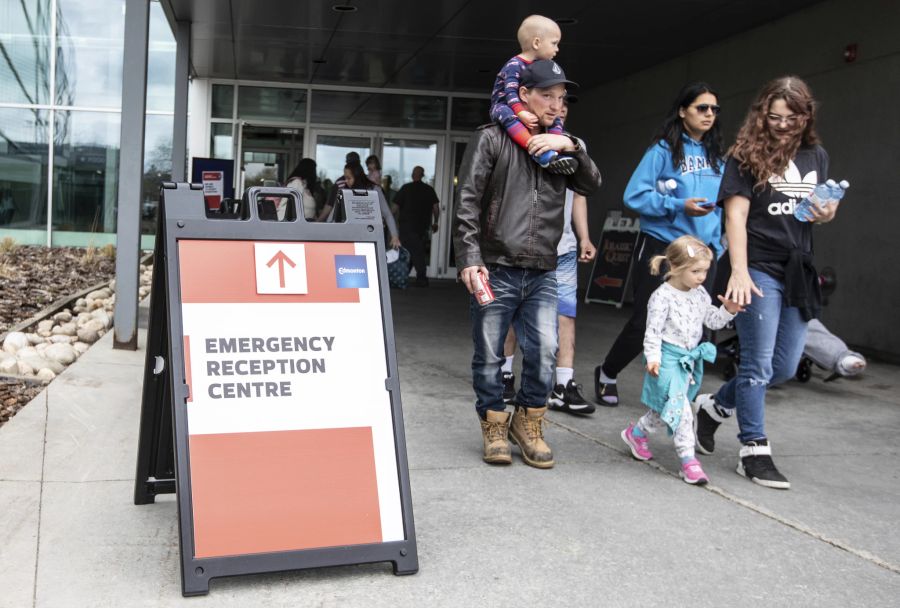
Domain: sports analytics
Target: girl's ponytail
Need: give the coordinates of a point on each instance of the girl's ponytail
(656, 264)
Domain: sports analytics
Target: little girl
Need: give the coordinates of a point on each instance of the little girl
(676, 314)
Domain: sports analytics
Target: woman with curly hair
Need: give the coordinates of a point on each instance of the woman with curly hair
(775, 162)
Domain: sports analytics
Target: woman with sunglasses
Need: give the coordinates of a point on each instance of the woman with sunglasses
(686, 150)
(775, 162)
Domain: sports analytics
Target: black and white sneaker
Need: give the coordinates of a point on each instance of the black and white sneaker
(707, 418)
(607, 394)
(509, 387)
(563, 165)
(756, 464)
(569, 399)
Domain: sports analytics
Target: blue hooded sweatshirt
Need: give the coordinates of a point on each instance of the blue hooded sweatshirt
(662, 215)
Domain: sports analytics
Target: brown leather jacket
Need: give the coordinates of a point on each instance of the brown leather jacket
(508, 210)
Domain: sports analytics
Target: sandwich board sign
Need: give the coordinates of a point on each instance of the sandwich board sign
(612, 265)
(271, 362)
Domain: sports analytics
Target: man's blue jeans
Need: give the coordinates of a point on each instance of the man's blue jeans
(772, 336)
(525, 299)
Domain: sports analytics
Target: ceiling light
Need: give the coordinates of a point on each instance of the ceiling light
(343, 8)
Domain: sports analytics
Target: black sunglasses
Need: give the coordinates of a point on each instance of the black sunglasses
(703, 108)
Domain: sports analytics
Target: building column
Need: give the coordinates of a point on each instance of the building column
(131, 171)
(182, 82)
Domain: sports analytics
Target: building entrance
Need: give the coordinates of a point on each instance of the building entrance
(398, 153)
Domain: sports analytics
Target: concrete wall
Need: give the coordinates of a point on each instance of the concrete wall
(859, 122)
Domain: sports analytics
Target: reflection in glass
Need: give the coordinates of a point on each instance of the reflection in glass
(221, 141)
(90, 37)
(24, 51)
(269, 153)
(160, 62)
(399, 158)
(469, 114)
(222, 100)
(331, 152)
(23, 168)
(157, 167)
(379, 110)
(459, 150)
(401, 155)
(268, 103)
(85, 171)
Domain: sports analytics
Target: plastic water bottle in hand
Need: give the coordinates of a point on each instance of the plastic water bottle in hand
(820, 195)
(666, 186)
(838, 191)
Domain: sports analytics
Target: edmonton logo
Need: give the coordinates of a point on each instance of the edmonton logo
(351, 271)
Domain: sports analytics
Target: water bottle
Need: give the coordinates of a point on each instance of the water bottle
(838, 191)
(666, 186)
(820, 195)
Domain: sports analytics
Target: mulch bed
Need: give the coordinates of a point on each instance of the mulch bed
(32, 278)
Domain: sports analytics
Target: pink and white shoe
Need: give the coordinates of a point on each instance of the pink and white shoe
(692, 473)
(638, 445)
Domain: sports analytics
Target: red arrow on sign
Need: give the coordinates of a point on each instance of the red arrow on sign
(281, 258)
(606, 281)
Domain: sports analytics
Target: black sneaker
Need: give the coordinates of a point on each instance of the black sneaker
(705, 425)
(569, 399)
(509, 387)
(607, 394)
(756, 465)
(563, 165)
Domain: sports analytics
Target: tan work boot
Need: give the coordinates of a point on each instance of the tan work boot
(495, 430)
(527, 432)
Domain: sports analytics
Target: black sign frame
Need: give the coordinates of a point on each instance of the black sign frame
(183, 216)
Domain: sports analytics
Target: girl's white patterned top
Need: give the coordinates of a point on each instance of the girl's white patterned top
(678, 317)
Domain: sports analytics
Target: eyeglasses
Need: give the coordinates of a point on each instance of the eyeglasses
(777, 119)
(703, 108)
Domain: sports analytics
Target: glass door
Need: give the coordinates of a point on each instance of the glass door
(330, 148)
(399, 155)
(267, 154)
(447, 259)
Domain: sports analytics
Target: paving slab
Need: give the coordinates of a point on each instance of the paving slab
(20, 503)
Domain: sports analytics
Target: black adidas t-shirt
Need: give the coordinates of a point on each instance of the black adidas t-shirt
(771, 218)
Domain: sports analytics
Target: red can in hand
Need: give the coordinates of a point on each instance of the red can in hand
(483, 293)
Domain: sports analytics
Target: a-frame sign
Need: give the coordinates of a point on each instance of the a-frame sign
(271, 400)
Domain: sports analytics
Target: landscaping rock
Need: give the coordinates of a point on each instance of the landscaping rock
(61, 353)
(46, 375)
(15, 341)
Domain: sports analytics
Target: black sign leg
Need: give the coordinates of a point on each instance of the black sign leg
(156, 459)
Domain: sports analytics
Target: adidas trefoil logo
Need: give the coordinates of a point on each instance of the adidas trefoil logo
(792, 185)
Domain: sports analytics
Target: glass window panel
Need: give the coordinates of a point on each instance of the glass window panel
(24, 149)
(85, 171)
(24, 51)
(157, 167)
(221, 143)
(268, 103)
(331, 153)
(90, 38)
(222, 100)
(379, 110)
(160, 62)
(469, 114)
(401, 155)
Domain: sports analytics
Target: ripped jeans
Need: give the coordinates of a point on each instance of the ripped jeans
(772, 336)
(525, 299)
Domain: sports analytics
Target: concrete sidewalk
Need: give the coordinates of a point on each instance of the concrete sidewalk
(600, 529)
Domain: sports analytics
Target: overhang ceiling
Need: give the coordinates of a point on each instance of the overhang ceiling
(448, 45)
